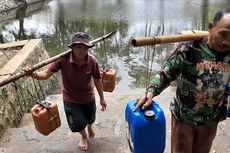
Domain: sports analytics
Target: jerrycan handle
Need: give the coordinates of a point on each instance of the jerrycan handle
(149, 113)
(44, 103)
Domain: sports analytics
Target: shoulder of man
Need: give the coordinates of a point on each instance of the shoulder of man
(187, 50)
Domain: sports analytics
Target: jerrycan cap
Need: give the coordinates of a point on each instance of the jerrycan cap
(149, 114)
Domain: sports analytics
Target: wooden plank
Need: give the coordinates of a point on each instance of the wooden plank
(13, 44)
(8, 79)
(15, 63)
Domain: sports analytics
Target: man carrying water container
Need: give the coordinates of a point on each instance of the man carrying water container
(77, 70)
(202, 70)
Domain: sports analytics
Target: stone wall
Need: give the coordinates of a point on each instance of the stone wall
(33, 1)
(7, 5)
(10, 9)
(17, 98)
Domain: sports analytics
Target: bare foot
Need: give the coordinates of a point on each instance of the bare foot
(83, 144)
(91, 131)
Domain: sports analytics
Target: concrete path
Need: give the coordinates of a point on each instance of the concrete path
(110, 130)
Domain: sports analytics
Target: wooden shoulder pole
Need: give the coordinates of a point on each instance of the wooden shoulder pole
(137, 42)
(48, 61)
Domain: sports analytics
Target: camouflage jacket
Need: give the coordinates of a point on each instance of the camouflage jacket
(202, 75)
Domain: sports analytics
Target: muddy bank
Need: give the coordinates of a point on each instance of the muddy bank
(7, 5)
(10, 9)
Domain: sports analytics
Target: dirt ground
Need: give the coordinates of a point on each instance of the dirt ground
(110, 130)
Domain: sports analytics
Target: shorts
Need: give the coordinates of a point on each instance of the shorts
(80, 115)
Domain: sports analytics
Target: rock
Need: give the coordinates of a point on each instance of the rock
(7, 5)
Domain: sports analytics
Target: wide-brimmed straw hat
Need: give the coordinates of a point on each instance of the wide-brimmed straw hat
(81, 38)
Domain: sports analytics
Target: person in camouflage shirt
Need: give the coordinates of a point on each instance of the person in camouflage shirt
(202, 71)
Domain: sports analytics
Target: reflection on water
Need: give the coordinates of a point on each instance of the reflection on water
(58, 19)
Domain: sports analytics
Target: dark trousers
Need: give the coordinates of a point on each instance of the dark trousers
(188, 138)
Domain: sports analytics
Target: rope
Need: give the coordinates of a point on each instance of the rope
(146, 55)
(150, 65)
(105, 65)
(36, 89)
(45, 104)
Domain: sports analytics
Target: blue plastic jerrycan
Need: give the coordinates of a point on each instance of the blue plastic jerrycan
(228, 92)
(146, 130)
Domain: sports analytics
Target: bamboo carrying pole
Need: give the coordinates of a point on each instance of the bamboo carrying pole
(50, 60)
(167, 39)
